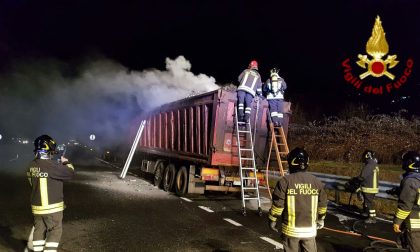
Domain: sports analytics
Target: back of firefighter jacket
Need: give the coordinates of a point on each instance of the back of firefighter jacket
(46, 178)
(250, 81)
(301, 200)
(370, 174)
(272, 92)
(408, 210)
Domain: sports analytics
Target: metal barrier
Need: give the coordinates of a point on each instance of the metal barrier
(336, 182)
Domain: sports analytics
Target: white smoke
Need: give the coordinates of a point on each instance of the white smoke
(102, 99)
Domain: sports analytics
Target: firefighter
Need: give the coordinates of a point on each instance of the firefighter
(407, 215)
(249, 85)
(46, 179)
(300, 202)
(369, 185)
(274, 89)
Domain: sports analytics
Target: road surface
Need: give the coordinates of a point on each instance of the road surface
(105, 213)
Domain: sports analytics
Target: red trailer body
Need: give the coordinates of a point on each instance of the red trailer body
(200, 131)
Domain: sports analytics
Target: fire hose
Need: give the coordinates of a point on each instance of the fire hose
(377, 244)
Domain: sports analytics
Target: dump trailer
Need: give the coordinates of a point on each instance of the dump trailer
(190, 145)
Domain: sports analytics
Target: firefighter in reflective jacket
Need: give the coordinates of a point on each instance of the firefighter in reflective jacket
(273, 89)
(46, 178)
(369, 185)
(407, 216)
(249, 85)
(300, 202)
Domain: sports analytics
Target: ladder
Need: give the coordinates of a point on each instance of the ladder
(133, 149)
(247, 166)
(279, 144)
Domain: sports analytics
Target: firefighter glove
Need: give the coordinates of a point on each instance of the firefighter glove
(272, 225)
(319, 224)
(397, 228)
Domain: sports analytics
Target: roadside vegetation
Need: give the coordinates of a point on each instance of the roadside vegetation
(338, 142)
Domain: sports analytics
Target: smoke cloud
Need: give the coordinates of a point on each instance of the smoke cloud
(102, 98)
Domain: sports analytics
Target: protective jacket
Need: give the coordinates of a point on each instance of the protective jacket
(274, 87)
(250, 82)
(300, 200)
(408, 210)
(370, 173)
(46, 178)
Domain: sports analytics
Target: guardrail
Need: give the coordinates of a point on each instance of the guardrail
(337, 183)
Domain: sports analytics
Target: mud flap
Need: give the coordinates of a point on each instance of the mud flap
(195, 185)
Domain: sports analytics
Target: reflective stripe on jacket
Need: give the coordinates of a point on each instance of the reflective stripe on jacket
(300, 200)
(250, 81)
(46, 178)
(408, 210)
(275, 91)
(370, 173)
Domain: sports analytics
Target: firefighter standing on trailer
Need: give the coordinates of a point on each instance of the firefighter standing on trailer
(369, 185)
(300, 201)
(407, 216)
(274, 89)
(249, 85)
(46, 178)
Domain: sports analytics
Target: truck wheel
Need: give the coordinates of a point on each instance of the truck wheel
(157, 181)
(181, 181)
(169, 177)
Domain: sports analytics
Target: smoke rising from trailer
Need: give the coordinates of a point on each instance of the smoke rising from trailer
(102, 98)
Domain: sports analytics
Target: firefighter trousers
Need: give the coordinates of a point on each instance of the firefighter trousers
(276, 106)
(369, 204)
(293, 244)
(48, 230)
(244, 104)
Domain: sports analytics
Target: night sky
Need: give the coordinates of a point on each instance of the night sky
(307, 40)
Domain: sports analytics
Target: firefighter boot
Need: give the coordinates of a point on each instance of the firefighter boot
(240, 115)
(279, 122)
(273, 120)
(365, 212)
(246, 117)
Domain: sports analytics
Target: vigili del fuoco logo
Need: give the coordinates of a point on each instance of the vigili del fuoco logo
(377, 72)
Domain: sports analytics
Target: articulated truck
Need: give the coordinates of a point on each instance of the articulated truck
(190, 145)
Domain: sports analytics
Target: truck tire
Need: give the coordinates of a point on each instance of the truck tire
(169, 177)
(157, 180)
(181, 181)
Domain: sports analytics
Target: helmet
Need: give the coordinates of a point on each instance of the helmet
(274, 71)
(298, 160)
(253, 65)
(411, 161)
(367, 155)
(45, 144)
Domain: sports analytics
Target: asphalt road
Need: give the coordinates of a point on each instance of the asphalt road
(105, 213)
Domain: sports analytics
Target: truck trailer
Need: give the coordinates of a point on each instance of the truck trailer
(190, 145)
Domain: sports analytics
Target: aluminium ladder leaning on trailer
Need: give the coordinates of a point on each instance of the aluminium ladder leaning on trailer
(133, 149)
(247, 165)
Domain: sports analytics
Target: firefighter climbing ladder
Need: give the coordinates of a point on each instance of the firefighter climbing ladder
(247, 166)
(133, 149)
(279, 143)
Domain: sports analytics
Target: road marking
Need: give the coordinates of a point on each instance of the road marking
(233, 222)
(186, 199)
(206, 209)
(275, 243)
